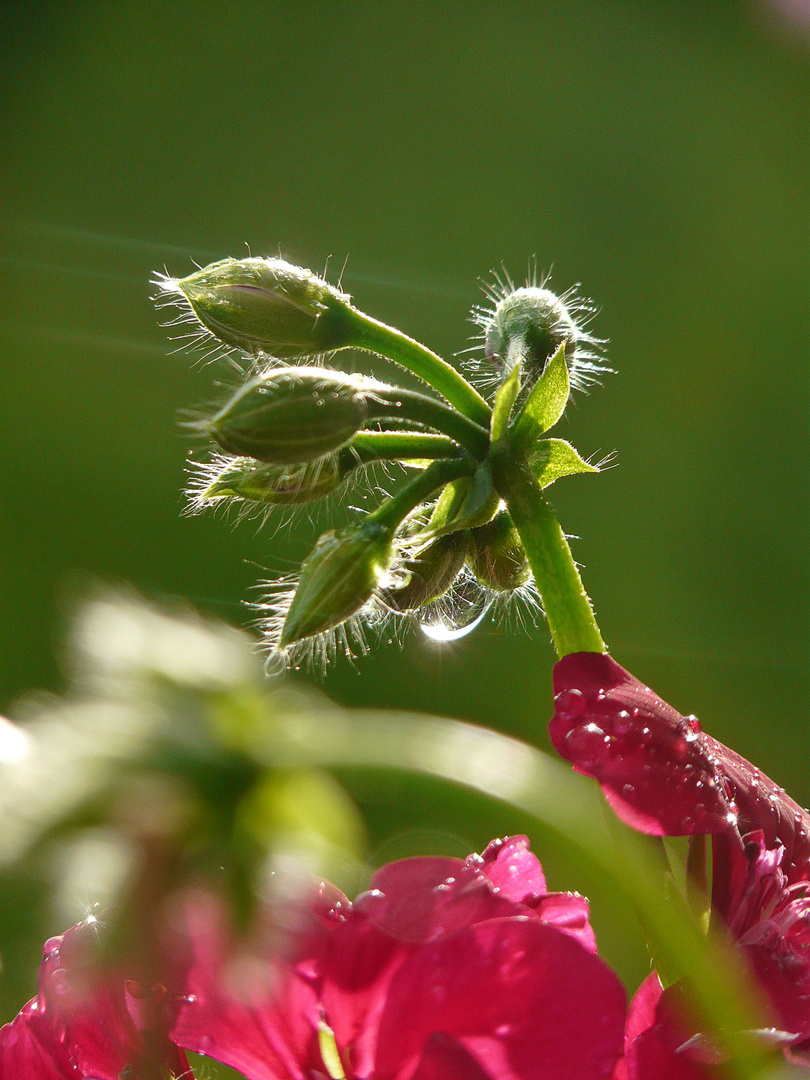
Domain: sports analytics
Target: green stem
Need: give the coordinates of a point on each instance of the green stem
(394, 510)
(368, 446)
(373, 336)
(410, 405)
(568, 610)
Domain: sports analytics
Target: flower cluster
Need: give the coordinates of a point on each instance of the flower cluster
(467, 969)
(664, 776)
(444, 969)
(444, 549)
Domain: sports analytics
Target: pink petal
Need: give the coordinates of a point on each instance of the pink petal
(659, 772)
(415, 900)
(444, 1058)
(524, 1000)
(256, 1015)
(513, 869)
(30, 1051)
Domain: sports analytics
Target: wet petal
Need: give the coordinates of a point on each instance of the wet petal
(257, 1015)
(660, 772)
(415, 900)
(513, 869)
(523, 999)
(29, 1049)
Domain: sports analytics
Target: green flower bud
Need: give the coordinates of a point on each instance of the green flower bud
(266, 306)
(288, 416)
(247, 480)
(496, 556)
(427, 576)
(337, 578)
(528, 325)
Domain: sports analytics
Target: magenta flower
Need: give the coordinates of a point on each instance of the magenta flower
(664, 776)
(84, 1024)
(443, 970)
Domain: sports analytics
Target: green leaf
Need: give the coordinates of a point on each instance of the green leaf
(545, 403)
(550, 459)
(504, 400)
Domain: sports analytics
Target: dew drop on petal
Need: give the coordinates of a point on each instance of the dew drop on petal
(569, 704)
(623, 723)
(587, 744)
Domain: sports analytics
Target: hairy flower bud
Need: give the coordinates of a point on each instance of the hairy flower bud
(428, 575)
(337, 578)
(527, 325)
(250, 481)
(496, 556)
(286, 416)
(266, 306)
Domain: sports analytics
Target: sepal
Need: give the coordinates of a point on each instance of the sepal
(545, 404)
(551, 459)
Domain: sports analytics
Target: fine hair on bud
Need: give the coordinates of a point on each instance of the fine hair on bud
(527, 325)
(423, 576)
(291, 415)
(254, 487)
(338, 577)
(261, 306)
(496, 556)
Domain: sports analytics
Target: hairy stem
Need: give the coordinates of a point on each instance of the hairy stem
(570, 616)
(396, 509)
(373, 336)
(368, 446)
(421, 409)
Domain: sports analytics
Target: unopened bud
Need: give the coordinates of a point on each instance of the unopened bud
(248, 480)
(337, 578)
(427, 576)
(266, 306)
(528, 325)
(287, 416)
(496, 557)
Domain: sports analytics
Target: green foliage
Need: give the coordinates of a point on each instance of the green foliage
(545, 404)
(551, 459)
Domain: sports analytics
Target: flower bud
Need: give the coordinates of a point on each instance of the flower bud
(534, 320)
(248, 480)
(337, 578)
(529, 324)
(496, 556)
(266, 306)
(287, 416)
(427, 576)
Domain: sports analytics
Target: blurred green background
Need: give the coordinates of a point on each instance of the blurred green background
(658, 153)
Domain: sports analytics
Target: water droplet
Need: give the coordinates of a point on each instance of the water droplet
(680, 747)
(694, 724)
(569, 704)
(456, 614)
(51, 948)
(586, 744)
(623, 723)
(59, 982)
